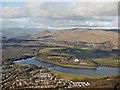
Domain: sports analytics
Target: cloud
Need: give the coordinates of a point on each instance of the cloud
(61, 10)
(61, 23)
(61, 15)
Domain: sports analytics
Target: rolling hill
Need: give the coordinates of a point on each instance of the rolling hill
(85, 35)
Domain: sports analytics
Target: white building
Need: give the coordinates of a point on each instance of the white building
(76, 60)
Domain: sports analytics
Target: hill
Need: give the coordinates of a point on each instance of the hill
(85, 35)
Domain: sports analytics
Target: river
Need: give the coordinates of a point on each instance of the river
(101, 70)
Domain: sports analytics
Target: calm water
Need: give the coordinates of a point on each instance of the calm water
(89, 72)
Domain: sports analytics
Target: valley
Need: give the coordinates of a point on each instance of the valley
(68, 52)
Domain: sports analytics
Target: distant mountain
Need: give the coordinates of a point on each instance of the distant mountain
(85, 35)
(13, 32)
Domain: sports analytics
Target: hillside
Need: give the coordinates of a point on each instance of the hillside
(90, 36)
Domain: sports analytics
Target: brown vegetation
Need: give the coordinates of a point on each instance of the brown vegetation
(90, 36)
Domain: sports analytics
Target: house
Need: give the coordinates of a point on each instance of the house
(83, 63)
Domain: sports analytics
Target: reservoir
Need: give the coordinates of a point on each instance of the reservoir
(101, 70)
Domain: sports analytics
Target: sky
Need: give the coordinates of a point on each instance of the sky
(59, 15)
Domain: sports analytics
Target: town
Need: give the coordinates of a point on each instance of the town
(31, 76)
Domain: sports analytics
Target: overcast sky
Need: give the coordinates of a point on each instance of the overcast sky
(60, 15)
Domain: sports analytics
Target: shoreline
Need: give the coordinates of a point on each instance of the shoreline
(70, 66)
(21, 58)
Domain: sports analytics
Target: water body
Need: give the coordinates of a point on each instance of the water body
(2, 70)
(101, 70)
